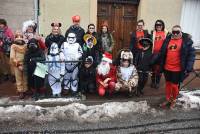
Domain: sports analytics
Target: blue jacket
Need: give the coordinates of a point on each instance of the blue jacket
(187, 54)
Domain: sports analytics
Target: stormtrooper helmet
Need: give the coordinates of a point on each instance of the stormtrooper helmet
(71, 38)
(54, 48)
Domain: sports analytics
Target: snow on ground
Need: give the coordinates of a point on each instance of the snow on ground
(189, 99)
(74, 111)
(59, 100)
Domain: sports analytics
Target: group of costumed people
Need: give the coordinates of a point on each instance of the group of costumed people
(75, 64)
(82, 62)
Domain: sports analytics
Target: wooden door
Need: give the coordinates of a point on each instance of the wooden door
(121, 17)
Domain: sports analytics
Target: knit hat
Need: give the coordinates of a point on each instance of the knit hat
(107, 57)
(105, 23)
(76, 18)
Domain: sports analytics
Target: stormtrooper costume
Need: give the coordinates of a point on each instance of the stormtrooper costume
(54, 69)
(70, 51)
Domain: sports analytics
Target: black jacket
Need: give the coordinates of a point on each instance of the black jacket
(52, 38)
(187, 54)
(87, 75)
(30, 59)
(133, 42)
(79, 34)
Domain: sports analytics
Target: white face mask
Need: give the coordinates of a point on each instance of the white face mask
(71, 38)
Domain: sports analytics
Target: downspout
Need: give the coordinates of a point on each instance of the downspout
(36, 13)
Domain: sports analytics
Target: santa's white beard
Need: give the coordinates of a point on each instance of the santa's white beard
(103, 69)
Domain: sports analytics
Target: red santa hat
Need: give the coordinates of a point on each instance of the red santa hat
(107, 57)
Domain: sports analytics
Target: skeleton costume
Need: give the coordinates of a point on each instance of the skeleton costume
(54, 69)
(127, 77)
(70, 51)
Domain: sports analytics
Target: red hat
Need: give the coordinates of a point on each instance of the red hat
(107, 57)
(105, 23)
(76, 18)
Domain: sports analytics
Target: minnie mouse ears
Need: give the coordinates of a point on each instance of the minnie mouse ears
(54, 24)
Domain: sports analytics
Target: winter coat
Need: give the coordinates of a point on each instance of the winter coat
(6, 38)
(58, 39)
(187, 54)
(30, 59)
(87, 75)
(79, 31)
(133, 42)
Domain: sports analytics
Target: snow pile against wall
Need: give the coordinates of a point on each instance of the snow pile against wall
(75, 111)
(189, 99)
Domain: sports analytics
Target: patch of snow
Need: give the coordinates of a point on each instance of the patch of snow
(74, 111)
(189, 99)
(4, 100)
(59, 100)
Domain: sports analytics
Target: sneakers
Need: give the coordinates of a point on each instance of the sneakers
(165, 104)
(56, 95)
(170, 104)
(173, 104)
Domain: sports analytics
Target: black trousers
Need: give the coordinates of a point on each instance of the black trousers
(87, 87)
(143, 78)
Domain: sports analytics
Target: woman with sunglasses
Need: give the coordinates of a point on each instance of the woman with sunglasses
(158, 36)
(177, 57)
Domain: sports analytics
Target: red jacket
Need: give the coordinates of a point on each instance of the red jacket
(8, 34)
(112, 74)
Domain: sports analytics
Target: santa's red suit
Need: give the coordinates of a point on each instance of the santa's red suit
(111, 83)
(106, 81)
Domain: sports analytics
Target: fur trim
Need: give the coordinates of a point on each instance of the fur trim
(28, 23)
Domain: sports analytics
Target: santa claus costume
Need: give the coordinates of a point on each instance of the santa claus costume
(71, 51)
(106, 75)
(127, 76)
(18, 50)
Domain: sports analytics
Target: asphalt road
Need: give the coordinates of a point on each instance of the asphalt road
(162, 121)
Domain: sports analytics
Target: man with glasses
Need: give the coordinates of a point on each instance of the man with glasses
(77, 29)
(177, 57)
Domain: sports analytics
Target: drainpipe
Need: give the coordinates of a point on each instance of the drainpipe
(36, 11)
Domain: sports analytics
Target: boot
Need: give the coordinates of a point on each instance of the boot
(157, 82)
(153, 81)
(12, 79)
(65, 92)
(165, 104)
(6, 77)
(173, 104)
(21, 95)
(35, 96)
